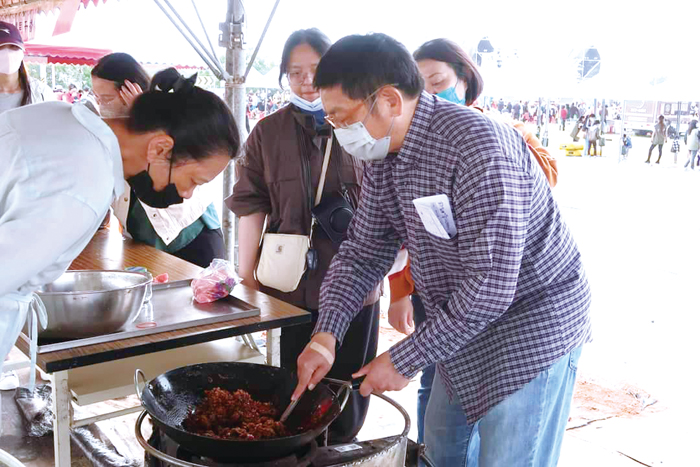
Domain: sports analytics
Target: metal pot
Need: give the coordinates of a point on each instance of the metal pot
(169, 397)
(92, 303)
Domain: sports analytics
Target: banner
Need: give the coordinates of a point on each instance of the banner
(24, 21)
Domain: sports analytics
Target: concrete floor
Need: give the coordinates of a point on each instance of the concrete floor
(638, 229)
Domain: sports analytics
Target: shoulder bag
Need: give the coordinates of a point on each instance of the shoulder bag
(284, 257)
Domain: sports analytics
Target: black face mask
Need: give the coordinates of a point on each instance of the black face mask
(142, 184)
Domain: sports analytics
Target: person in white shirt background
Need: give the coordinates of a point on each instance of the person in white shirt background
(17, 88)
(63, 166)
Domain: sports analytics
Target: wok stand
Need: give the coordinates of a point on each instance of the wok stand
(392, 451)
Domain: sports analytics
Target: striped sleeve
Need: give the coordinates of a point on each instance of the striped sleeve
(362, 262)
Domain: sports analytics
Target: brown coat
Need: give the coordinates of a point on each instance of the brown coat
(270, 178)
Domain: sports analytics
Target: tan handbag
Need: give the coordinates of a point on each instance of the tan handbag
(282, 261)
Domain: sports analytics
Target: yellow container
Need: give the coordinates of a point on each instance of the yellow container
(576, 153)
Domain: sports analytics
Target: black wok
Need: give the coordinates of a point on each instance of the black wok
(171, 396)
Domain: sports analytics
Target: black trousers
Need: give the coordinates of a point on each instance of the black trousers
(359, 348)
(206, 246)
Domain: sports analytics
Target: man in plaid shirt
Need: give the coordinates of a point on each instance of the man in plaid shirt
(505, 292)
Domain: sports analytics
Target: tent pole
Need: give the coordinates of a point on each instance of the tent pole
(232, 39)
(194, 42)
(262, 36)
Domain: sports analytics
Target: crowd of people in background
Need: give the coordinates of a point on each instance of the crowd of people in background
(262, 103)
(538, 112)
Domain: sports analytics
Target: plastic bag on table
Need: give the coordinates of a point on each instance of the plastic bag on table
(215, 282)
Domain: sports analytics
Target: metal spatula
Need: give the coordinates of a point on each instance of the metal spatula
(288, 410)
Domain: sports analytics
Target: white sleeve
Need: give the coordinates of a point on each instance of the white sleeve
(42, 235)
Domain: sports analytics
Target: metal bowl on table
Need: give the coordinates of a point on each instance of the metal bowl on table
(83, 304)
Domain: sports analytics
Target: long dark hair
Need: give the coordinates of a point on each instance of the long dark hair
(198, 121)
(25, 84)
(312, 36)
(119, 67)
(444, 50)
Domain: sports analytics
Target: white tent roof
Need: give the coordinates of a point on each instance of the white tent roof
(256, 79)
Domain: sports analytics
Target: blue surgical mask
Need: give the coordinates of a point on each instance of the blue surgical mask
(314, 108)
(450, 94)
(303, 104)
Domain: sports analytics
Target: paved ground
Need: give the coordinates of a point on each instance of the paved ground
(638, 228)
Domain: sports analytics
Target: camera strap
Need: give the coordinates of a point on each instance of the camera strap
(322, 180)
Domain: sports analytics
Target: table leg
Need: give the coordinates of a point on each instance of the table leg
(62, 419)
(273, 346)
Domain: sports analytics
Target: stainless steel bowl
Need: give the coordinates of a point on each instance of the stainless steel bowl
(92, 303)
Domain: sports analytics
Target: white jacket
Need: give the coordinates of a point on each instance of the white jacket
(61, 168)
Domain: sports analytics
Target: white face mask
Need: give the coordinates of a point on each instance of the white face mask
(10, 60)
(357, 141)
(303, 104)
(114, 109)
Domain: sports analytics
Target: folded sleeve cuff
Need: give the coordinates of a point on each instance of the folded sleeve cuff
(406, 358)
(332, 323)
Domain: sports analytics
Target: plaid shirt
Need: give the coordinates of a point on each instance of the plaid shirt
(506, 297)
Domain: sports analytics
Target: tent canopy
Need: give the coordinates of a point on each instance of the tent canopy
(37, 53)
(256, 79)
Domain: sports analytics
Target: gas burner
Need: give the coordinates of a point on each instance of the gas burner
(393, 451)
(164, 443)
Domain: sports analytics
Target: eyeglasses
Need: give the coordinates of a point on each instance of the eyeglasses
(297, 77)
(332, 121)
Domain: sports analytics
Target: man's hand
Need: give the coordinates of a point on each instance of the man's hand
(381, 376)
(313, 365)
(401, 315)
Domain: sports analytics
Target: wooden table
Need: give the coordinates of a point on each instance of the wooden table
(109, 250)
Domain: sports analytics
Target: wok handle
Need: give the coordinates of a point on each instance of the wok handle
(344, 392)
(138, 373)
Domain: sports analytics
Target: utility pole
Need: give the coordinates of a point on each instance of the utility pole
(235, 96)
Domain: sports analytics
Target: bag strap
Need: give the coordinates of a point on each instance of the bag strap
(324, 170)
(321, 182)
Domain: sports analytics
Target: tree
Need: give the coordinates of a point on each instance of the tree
(65, 75)
(264, 65)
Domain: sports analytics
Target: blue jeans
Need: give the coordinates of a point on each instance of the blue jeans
(526, 429)
(426, 379)
(691, 159)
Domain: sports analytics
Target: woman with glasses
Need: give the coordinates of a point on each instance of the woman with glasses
(187, 228)
(278, 174)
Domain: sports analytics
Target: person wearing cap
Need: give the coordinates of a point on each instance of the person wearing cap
(17, 88)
